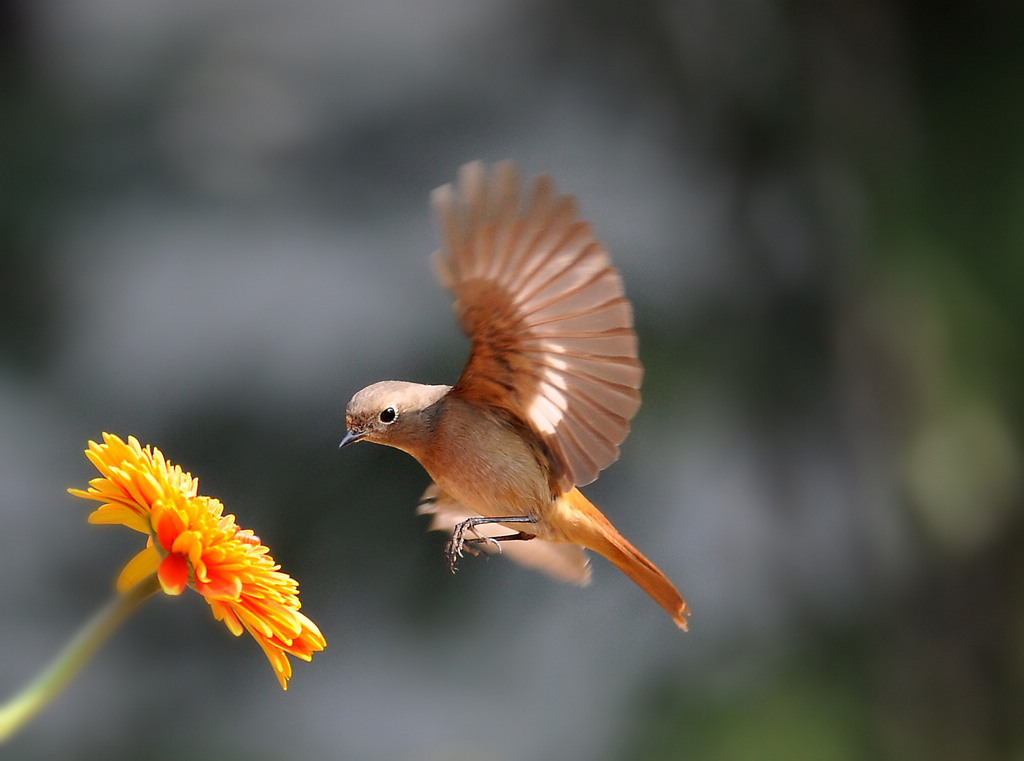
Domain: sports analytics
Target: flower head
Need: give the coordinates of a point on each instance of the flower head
(192, 543)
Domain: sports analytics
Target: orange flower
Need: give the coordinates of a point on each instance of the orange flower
(192, 543)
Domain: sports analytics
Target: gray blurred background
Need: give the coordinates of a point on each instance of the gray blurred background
(214, 228)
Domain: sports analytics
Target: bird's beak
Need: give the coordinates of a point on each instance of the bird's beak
(352, 435)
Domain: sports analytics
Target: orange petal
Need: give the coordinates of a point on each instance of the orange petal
(223, 612)
(173, 574)
(223, 587)
(168, 525)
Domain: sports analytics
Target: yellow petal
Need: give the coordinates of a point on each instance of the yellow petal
(139, 567)
(120, 517)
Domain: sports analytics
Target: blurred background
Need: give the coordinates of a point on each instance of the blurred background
(214, 228)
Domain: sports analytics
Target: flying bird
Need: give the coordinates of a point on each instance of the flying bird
(547, 394)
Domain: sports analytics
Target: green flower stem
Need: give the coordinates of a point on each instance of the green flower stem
(41, 690)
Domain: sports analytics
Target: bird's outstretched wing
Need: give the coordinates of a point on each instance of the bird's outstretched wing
(551, 331)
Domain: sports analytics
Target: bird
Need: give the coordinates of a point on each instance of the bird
(546, 396)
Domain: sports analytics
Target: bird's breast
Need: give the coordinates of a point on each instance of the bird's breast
(487, 463)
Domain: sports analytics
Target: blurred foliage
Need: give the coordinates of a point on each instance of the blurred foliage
(28, 194)
(816, 710)
(937, 672)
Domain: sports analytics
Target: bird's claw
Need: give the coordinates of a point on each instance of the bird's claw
(453, 550)
(459, 544)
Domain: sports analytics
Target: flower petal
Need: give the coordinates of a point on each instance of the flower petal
(115, 514)
(173, 574)
(139, 567)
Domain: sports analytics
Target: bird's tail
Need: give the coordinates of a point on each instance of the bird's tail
(589, 527)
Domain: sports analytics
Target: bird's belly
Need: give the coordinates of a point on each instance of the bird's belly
(494, 481)
(495, 491)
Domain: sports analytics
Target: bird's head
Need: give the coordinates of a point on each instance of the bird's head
(395, 413)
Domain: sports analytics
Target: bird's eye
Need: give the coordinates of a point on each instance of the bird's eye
(388, 415)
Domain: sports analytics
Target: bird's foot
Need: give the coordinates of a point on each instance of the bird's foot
(459, 544)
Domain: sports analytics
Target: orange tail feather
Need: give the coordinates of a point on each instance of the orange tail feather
(592, 530)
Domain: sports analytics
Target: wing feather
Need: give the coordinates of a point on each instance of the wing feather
(551, 331)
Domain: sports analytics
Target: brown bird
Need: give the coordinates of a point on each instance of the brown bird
(546, 397)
